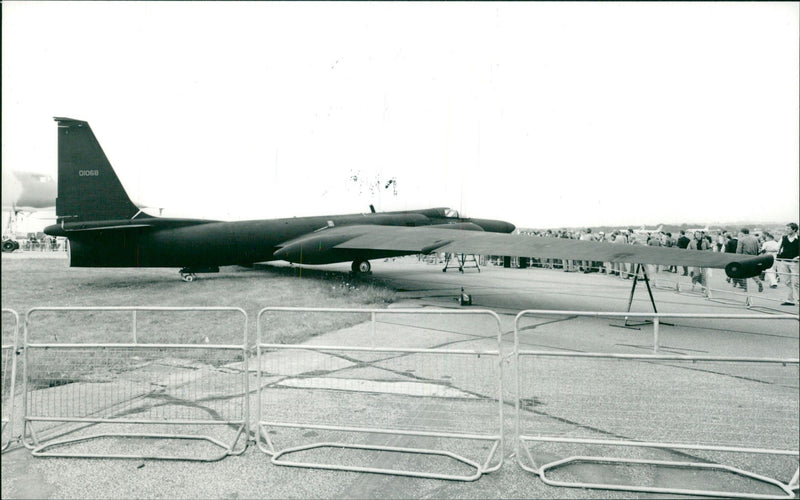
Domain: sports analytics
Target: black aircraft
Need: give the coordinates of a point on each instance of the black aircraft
(106, 229)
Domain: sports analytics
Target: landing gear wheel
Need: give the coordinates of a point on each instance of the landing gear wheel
(361, 266)
(10, 245)
(188, 277)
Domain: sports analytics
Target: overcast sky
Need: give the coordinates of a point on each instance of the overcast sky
(543, 114)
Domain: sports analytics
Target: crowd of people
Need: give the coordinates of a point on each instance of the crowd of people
(783, 248)
(43, 243)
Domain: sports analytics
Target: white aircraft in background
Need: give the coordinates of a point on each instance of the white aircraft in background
(23, 194)
(648, 232)
(697, 230)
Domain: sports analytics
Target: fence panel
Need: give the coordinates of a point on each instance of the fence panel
(748, 297)
(10, 351)
(414, 391)
(650, 408)
(94, 374)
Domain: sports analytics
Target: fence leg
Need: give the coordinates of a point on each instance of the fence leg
(633, 290)
(655, 334)
(794, 484)
(649, 291)
(134, 327)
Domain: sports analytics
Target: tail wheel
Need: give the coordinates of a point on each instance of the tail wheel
(361, 266)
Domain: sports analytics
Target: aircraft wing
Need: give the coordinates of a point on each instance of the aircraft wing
(435, 239)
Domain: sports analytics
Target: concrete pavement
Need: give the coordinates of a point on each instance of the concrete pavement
(413, 391)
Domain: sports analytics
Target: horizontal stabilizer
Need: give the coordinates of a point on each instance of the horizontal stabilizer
(137, 223)
(102, 228)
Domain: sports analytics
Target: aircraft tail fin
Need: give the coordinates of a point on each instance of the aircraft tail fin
(88, 187)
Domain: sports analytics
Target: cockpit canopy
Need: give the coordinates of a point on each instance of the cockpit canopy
(439, 213)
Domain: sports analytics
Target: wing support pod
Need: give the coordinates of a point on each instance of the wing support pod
(748, 268)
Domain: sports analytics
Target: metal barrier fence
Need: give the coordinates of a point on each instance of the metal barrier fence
(704, 408)
(408, 402)
(10, 348)
(82, 393)
(746, 298)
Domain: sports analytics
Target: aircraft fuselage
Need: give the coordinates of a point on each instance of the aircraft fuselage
(162, 242)
(106, 229)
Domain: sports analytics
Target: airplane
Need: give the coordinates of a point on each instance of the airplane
(649, 232)
(106, 229)
(24, 193)
(697, 230)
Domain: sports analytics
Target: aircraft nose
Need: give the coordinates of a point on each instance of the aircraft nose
(507, 227)
(495, 226)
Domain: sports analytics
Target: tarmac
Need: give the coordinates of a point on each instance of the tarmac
(737, 404)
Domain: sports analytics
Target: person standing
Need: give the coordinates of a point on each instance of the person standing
(671, 242)
(683, 243)
(748, 245)
(568, 264)
(639, 240)
(698, 273)
(653, 241)
(620, 268)
(788, 263)
(606, 267)
(731, 244)
(771, 247)
(587, 265)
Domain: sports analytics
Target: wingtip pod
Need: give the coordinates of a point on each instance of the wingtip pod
(749, 268)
